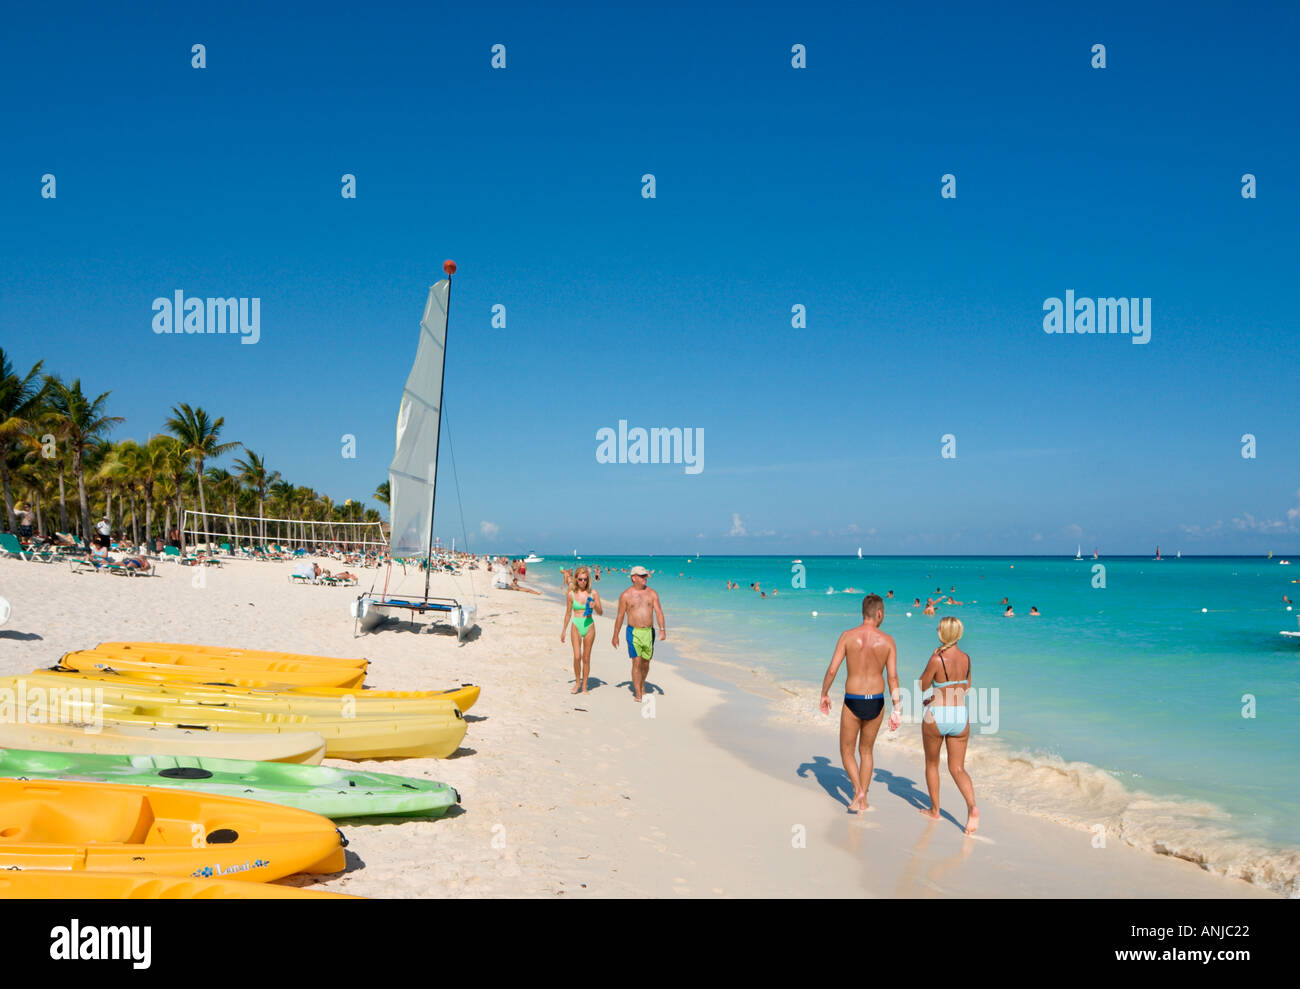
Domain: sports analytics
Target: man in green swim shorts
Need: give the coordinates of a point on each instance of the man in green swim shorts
(641, 607)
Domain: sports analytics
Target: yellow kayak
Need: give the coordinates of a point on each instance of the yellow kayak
(104, 827)
(227, 652)
(319, 701)
(112, 738)
(463, 696)
(212, 669)
(430, 734)
(42, 884)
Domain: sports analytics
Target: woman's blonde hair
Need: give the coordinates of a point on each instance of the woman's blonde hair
(950, 630)
(573, 581)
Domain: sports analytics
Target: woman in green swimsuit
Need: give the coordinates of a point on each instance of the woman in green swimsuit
(579, 605)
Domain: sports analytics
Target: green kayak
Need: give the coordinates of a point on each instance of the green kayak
(323, 789)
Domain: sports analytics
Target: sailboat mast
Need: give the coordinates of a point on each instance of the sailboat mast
(450, 268)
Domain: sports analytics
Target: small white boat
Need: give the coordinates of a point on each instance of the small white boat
(1078, 551)
(533, 558)
(1293, 635)
(859, 552)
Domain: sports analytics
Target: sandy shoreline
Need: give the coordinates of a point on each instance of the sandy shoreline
(583, 795)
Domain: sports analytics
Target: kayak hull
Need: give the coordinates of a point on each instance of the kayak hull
(323, 790)
(99, 827)
(112, 738)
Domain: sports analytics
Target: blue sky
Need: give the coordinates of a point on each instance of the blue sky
(775, 187)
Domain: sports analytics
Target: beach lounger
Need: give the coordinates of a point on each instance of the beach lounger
(10, 546)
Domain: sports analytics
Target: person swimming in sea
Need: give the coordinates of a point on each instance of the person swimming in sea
(870, 654)
(929, 606)
(580, 603)
(946, 720)
(1033, 610)
(1009, 613)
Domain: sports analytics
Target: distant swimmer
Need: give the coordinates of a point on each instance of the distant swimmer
(889, 596)
(580, 603)
(929, 606)
(916, 602)
(869, 652)
(952, 601)
(1033, 610)
(640, 606)
(1008, 613)
(1003, 601)
(947, 720)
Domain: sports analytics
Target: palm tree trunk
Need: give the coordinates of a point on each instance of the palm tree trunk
(180, 516)
(11, 518)
(80, 473)
(63, 504)
(148, 518)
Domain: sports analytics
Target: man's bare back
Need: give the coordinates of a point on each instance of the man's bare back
(869, 653)
(866, 651)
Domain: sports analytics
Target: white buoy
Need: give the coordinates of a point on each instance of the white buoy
(909, 614)
(814, 614)
(1205, 611)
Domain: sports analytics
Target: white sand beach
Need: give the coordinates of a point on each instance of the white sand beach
(585, 795)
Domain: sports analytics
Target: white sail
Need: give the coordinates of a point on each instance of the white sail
(413, 474)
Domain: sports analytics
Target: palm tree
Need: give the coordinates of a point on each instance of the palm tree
(253, 472)
(382, 494)
(120, 469)
(199, 437)
(79, 423)
(172, 461)
(282, 494)
(226, 485)
(21, 398)
(151, 470)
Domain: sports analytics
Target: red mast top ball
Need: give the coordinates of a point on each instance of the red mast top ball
(449, 267)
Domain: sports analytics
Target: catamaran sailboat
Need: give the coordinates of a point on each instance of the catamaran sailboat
(1078, 551)
(413, 474)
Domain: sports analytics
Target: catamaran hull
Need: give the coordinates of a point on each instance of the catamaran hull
(370, 614)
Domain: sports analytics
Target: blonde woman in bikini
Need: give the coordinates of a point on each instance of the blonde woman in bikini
(579, 605)
(946, 719)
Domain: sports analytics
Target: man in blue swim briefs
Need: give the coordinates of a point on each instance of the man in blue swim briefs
(640, 606)
(870, 652)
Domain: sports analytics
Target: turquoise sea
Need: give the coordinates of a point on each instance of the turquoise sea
(1162, 705)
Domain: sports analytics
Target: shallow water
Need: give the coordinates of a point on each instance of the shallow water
(1134, 679)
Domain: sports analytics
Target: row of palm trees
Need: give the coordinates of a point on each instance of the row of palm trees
(55, 446)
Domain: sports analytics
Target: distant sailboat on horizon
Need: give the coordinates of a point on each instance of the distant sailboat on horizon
(1094, 552)
(859, 552)
(1078, 551)
(1158, 553)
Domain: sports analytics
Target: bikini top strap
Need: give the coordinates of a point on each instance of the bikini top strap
(943, 664)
